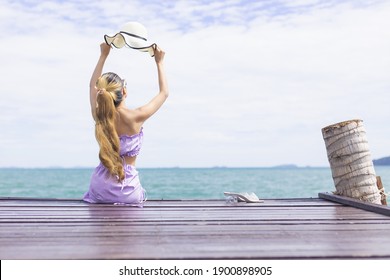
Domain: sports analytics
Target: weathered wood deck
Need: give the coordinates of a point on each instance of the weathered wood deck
(311, 228)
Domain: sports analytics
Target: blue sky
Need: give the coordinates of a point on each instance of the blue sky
(252, 82)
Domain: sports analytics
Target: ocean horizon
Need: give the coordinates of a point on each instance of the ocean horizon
(284, 181)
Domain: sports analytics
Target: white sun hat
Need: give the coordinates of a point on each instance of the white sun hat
(133, 35)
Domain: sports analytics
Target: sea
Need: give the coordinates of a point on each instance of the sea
(180, 183)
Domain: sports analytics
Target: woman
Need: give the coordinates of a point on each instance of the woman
(118, 131)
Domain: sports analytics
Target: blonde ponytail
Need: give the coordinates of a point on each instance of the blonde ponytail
(105, 130)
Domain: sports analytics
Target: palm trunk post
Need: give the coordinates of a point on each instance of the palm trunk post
(350, 161)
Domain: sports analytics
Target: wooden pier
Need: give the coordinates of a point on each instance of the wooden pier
(312, 228)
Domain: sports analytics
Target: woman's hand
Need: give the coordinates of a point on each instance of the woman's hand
(105, 49)
(158, 54)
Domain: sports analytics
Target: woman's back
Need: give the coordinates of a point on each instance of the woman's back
(130, 135)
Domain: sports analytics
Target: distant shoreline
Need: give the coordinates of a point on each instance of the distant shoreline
(385, 161)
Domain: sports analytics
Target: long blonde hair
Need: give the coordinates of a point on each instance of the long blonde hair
(109, 96)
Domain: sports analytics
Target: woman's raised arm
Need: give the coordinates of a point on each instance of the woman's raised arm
(104, 52)
(146, 111)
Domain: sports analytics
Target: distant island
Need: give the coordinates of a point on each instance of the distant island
(382, 161)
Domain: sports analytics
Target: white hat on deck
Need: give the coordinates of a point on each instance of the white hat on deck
(133, 35)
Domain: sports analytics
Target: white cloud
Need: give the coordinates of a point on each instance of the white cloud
(252, 83)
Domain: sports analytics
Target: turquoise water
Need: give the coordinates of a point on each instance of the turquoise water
(179, 183)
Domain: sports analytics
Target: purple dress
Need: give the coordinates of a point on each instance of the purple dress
(104, 188)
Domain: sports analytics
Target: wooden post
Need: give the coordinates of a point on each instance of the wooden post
(381, 190)
(350, 161)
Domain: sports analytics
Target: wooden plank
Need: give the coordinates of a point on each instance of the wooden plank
(192, 216)
(61, 230)
(101, 223)
(159, 246)
(376, 208)
(13, 201)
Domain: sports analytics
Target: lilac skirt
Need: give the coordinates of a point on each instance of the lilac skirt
(106, 189)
